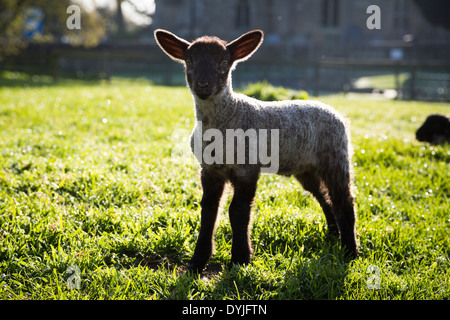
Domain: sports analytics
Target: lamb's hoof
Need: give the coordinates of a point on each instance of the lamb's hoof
(238, 265)
(351, 254)
(195, 270)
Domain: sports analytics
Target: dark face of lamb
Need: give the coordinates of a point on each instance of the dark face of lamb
(436, 129)
(208, 60)
(207, 67)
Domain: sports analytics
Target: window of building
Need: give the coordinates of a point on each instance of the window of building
(330, 13)
(401, 15)
(242, 14)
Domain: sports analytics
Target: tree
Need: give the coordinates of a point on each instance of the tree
(435, 11)
(13, 19)
(140, 9)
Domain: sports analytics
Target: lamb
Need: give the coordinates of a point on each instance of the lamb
(313, 144)
(435, 129)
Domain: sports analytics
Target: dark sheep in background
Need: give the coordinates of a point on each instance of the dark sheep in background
(436, 129)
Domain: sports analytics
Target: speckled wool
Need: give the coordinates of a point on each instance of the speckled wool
(311, 134)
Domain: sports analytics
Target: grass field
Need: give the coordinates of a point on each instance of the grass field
(91, 189)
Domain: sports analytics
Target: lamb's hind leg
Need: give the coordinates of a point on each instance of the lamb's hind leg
(339, 188)
(312, 182)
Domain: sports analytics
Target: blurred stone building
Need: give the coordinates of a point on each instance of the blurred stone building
(303, 26)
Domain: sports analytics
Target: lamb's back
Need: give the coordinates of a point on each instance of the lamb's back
(307, 129)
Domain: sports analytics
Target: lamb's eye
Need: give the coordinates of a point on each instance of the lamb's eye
(188, 62)
(224, 63)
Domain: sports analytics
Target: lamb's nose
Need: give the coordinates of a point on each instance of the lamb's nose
(203, 83)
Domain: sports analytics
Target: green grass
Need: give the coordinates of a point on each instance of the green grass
(383, 81)
(427, 83)
(88, 179)
(267, 92)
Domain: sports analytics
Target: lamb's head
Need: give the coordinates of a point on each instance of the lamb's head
(208, 60)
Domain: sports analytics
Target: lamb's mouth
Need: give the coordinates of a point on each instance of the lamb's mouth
(204, 94)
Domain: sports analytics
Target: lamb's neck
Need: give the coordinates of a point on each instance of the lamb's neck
(217, 110)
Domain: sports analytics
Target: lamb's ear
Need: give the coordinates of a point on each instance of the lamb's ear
(244, 46)
(172, 45)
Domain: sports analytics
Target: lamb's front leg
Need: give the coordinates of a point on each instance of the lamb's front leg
(212, 191)
(239, 211)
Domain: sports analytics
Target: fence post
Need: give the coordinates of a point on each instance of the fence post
(412, 84)
(316, 78)
(167, 76)
(54, 65)
(107, 64)
(397, 81)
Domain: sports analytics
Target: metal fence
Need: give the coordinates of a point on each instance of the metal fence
(317, 70)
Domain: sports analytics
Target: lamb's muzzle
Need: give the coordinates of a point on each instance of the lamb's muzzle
(313, 144)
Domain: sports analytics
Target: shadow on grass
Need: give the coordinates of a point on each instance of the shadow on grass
(211, 270)
(318, 273)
